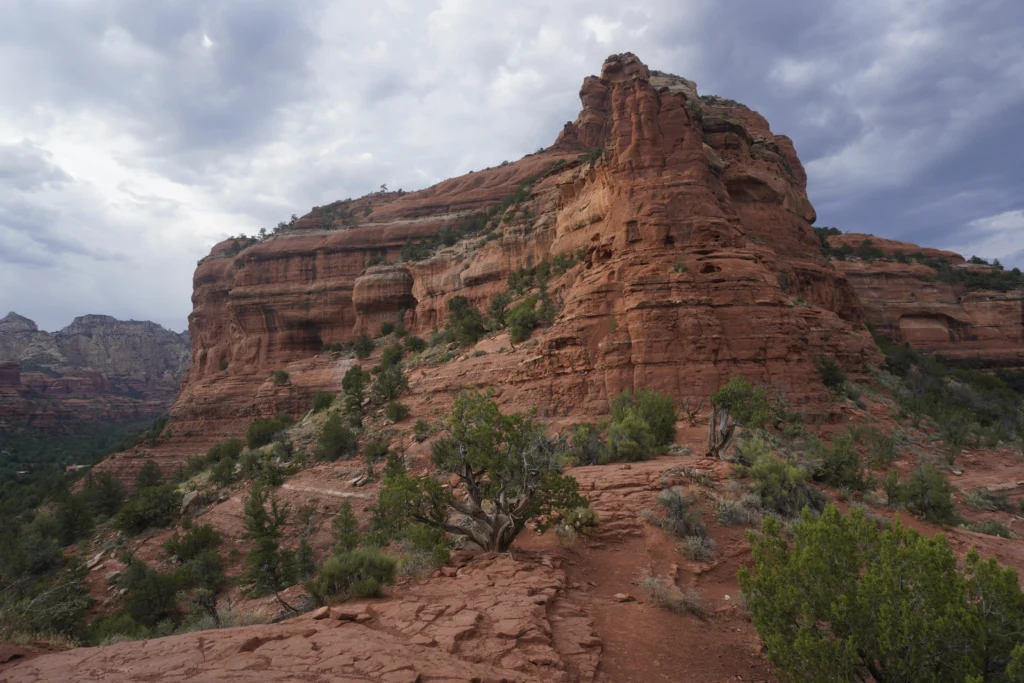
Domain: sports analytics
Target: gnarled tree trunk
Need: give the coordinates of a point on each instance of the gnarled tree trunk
(720, 432)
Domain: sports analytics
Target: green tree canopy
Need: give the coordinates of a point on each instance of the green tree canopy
(846, 600)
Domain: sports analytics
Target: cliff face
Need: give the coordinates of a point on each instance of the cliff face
(909, 302)
(699, 263)
(96, 368)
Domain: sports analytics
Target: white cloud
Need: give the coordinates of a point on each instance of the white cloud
(994, 237)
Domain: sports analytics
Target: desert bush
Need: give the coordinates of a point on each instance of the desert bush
(148, 475)
(345, 529)
(987, 501)
(904, 611)
(197, 539)
(363, 346)
(465, 323)
(991, 527)
(386, 329)
(732, 512)
(359, 573)
(522, 318)
(699, 548)
(225, 450)
(838, 463)
(415, 344)
(396, 412)
(279, 377)
(322, 401)
(263, 429)
(629, 440)
(657, 410)
(925, 492)
(421, 430)
(389, 384)
(586, 447)
(335, 440)
(391, 355)
(783, 486)
(155, 506)
(882, 448)
(833, 376)
(682, 518)
(671, 598)
(103, 493)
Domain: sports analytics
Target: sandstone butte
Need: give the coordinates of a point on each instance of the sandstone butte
(95, 369)
(698, 263)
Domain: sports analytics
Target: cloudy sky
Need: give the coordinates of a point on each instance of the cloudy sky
(136, 133)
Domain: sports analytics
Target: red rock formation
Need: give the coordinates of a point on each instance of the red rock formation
(699, 264)
(95, 369)
(909, 303)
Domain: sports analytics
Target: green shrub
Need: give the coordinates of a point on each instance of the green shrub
(263, 429)
(845, 600)
(279, 376)
(782, 486)
(629, 440)
(991, 527)
(389, 384)
(363, 346)
(223, 473)
(396, 412)
(155, 506)
(322, 401)
(103, 493)
(150, 597)
(832, 373)
(345, 529)
(657, 410)
(391, 355)
(882, 448)
(197, 539)
(838, 464)
(682, 518)
(987, 501)
(148, 475)
(386, 329)
(926, 493)
(497, 310)
(465, 322)
(421, 430)
(586, 447)
(415, 344)
(205, 570)
(335, 440)
(225, 450)
(359, 573)
(521, 319)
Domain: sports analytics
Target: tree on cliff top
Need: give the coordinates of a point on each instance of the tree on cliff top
(508, 472)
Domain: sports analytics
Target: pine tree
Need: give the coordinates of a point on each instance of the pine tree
(268, 568)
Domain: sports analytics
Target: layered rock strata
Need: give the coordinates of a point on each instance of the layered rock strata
(909, 303)
(692, 224)
(96, 368)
